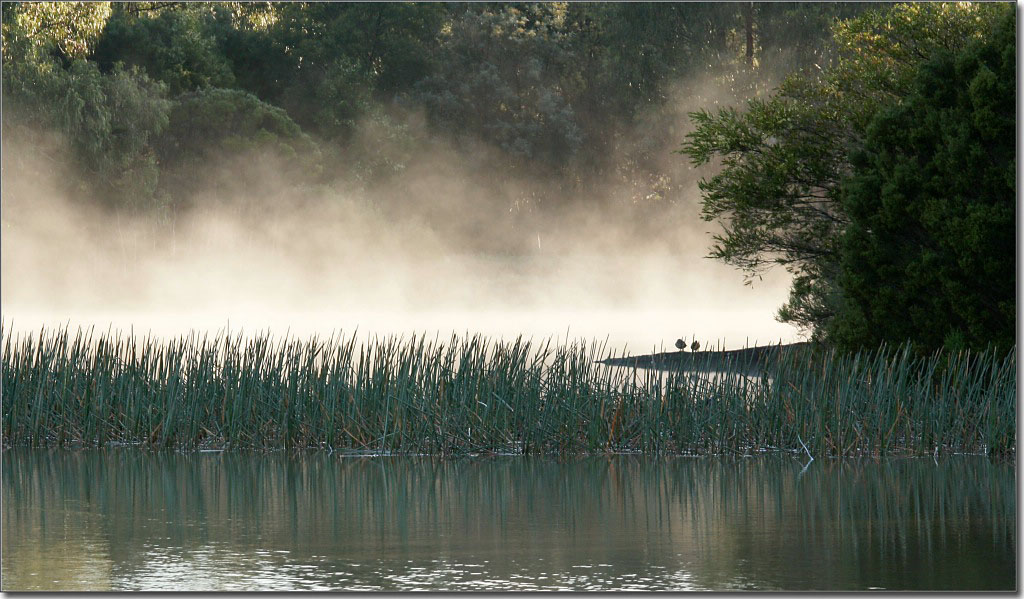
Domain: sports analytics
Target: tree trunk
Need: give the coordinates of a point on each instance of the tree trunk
(748, 21)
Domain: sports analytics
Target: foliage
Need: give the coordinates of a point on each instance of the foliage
(797, 36)
(554, 92)
(930, 252)
(211, 128)
(56, 102)
(108, 122)
(326, 63)
(175, 45)
(882, 50)
(776, 194)
(637, 51)
(500, 78)
(783, 159)
(38, 30)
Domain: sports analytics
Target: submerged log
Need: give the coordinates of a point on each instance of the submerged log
(751, 359)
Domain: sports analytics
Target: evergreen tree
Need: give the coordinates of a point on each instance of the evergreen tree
(777, 195)
(929, 254)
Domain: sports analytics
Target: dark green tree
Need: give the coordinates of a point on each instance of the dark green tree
(212, 131)
(328, 63)
(929, 254)
(776, 195)
(174, 44)
(500, 80)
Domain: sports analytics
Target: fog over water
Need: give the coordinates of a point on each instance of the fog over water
(445, 247)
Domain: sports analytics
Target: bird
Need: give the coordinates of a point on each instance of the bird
(680, 344)
(695, 346)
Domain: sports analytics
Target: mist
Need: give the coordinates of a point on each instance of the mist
(444, 247)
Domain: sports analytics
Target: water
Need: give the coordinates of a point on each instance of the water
(124, 519)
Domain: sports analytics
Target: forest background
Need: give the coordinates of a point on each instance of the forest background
(867, 149)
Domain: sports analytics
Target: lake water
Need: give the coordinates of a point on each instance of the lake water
(125, 519)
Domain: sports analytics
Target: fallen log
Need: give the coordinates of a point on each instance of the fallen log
(750, 358)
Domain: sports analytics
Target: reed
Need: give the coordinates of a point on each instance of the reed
(472, 394)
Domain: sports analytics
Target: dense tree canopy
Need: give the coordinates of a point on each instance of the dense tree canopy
(554, 90)
(929, 254)
(500, 77)
(177, 47)
(785, 159)
(35, 30)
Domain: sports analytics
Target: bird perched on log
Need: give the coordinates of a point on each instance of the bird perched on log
(680, 344)
(695, 346)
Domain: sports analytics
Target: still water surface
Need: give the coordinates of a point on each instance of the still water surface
(132, 520)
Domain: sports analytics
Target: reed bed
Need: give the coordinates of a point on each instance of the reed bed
(471, 395)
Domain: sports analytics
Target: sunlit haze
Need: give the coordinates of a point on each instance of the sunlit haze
(441, 250)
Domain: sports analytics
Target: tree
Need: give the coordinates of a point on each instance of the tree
(777, 195)
(174, 45)
(500, 81)
(56, 102)
(213, 130)
(35, 31)
(106, 122)
(777, 191)
(929, 254)
(328, 63)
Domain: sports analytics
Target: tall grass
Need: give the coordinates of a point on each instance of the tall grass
(472, 394)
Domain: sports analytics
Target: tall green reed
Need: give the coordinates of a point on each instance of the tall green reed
(473, 394)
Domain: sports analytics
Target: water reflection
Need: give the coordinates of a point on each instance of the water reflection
(130, 520)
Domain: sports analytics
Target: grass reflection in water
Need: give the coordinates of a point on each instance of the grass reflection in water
(124, 519)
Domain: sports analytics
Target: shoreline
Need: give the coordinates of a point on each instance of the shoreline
(751, 359)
